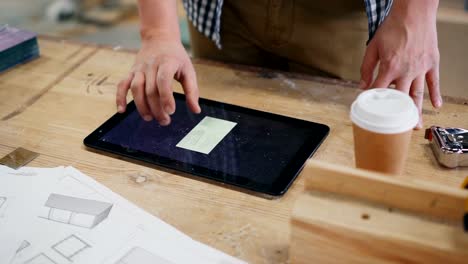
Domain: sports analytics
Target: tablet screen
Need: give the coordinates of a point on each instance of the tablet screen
(229, 141)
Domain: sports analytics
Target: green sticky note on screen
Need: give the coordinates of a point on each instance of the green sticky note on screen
(205, 136)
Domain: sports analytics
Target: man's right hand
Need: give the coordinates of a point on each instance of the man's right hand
(158, 62)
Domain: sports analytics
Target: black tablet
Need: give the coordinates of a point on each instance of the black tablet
(259, 151)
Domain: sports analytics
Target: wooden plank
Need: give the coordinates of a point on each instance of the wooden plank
(355, 216)
(416, 196)
(333, 230)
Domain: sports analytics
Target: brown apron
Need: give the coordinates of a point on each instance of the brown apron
(326, 38)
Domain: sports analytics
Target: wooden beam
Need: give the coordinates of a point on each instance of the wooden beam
(326, 229)
(416, 196)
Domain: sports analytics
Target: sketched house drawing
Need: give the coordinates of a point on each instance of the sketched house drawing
(137, 255)
(70, 247)
(40, 259)
(23, 246)
(2, 201)
(76, 211)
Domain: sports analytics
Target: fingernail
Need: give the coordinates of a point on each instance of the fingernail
(420, 124)
(120, 109)
(362, 84)
(165, 122)
(439, 102)
(168, 110)
(198, 111)
(147, 118)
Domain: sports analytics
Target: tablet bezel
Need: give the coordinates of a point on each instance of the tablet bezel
(277, 188)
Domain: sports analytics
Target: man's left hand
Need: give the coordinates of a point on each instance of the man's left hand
(406, 50)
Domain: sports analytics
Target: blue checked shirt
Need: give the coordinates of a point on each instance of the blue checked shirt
(205, 15)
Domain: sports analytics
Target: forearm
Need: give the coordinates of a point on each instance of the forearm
(158, 19)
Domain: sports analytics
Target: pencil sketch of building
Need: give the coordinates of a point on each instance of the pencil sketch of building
(75, 211)
(2, 201)
(23, 246)
(70, 247)
(138, 255)
(40, 259)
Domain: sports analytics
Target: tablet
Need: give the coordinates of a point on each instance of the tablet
(255, 150)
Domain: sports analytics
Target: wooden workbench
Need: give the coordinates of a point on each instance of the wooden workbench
(49, 105)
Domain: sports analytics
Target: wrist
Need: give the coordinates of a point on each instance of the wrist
(154, 34)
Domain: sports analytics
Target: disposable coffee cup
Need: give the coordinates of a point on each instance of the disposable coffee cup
(383, 121)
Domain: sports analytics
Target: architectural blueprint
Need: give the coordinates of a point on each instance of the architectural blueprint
(75, 211)
(61, 216)
(138, 255)
(3, 205)
(2, 201)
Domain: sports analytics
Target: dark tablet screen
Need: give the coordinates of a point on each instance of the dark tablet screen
(228, 143)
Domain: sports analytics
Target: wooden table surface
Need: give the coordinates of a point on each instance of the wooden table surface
(49, 105)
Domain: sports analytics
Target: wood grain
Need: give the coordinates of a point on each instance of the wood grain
(415, 195)
(355, 216)
(32, 80)
(333, 230)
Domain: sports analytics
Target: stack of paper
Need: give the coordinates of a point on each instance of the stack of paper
(16, 46)
(60, 215)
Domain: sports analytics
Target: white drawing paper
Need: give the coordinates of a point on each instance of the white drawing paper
(67, 217)
(138, 255)
(24, 189)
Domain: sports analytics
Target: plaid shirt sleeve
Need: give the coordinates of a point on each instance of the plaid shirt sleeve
(205, 16)
(377, 11)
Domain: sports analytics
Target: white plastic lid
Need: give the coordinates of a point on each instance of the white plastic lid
(385, 111)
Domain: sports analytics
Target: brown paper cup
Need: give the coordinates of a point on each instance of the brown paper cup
(383, 121)
(385, 153)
